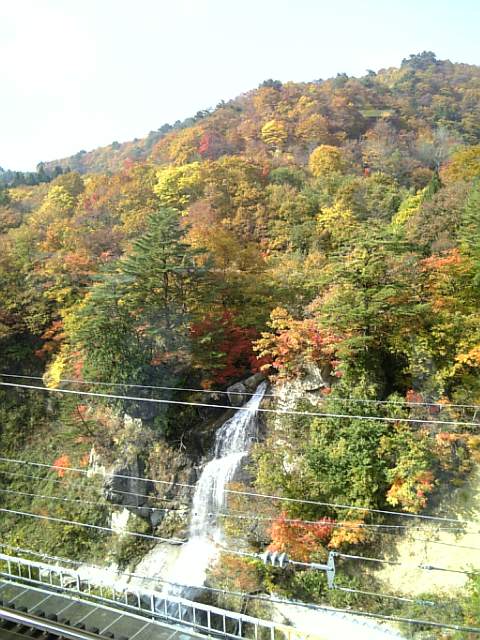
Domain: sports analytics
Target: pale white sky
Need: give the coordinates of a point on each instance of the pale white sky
(77, 74)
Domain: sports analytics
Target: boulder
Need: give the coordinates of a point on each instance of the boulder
(237, 394)
(124, 485)
(252, 382)
(156, 517)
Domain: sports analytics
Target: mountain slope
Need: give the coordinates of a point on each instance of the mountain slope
(291, 118)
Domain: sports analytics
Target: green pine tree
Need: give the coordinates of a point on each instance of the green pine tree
(469, 232)
(162, 279)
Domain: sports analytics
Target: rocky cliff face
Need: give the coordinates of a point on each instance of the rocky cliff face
(309, 385)
(174, 463)
(239, 393)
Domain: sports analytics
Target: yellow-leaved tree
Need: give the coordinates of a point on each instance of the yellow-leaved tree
(326, 159)
(274, 134)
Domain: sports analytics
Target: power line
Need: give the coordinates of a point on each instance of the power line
(80, 501)
(423, 567)
(448, 544)
(388, 596)
(351, 507)
(408, 403)
(381, 529)
(92, 526)
(270, 599)
(159, 580)
(256, 495)
(351, 525)
(155, 579)
(313, 414)
(105, 474)
(385, 529)
(141, 386)
(71, 479)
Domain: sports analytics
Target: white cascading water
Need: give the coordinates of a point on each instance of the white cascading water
(232, 442)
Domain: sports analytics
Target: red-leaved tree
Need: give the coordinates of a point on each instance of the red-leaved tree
(222, 350)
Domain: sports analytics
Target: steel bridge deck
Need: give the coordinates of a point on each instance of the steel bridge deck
(90, 619)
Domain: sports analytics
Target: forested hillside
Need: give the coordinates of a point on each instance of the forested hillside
(328, 226)
(402, 108)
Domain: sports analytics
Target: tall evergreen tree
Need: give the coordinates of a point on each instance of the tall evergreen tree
(162, 277)
(370, 298)
(139, 310)
(470, 229)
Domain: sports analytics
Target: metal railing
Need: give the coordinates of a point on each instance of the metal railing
(155, 605)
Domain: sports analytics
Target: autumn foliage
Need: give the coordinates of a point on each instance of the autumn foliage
(61, 465)
(411, 493)
(298, 538)
(292, 344)
(233, 572)
(231, 344)
(327, 227)
(349, 533)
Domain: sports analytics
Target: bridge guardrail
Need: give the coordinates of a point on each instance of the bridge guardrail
(152, 604)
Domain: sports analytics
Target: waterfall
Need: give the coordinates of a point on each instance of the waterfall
(232, 442)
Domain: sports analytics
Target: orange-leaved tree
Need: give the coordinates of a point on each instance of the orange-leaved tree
(293, 344)
(61, 465)
(298, 538)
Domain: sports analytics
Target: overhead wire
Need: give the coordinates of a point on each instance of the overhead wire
(80, 501)
(346, 524)
(423, 567)
(179, 541)
(387, 596)
(407, 403)
(252, 494)
(428, 567)
(223, 591)
(382, 529)
(248, 516)
(278, 497)
(314, 414)
(141, 386)
(447, 544)
(71, 478)
(91, 526)
(270, 599)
